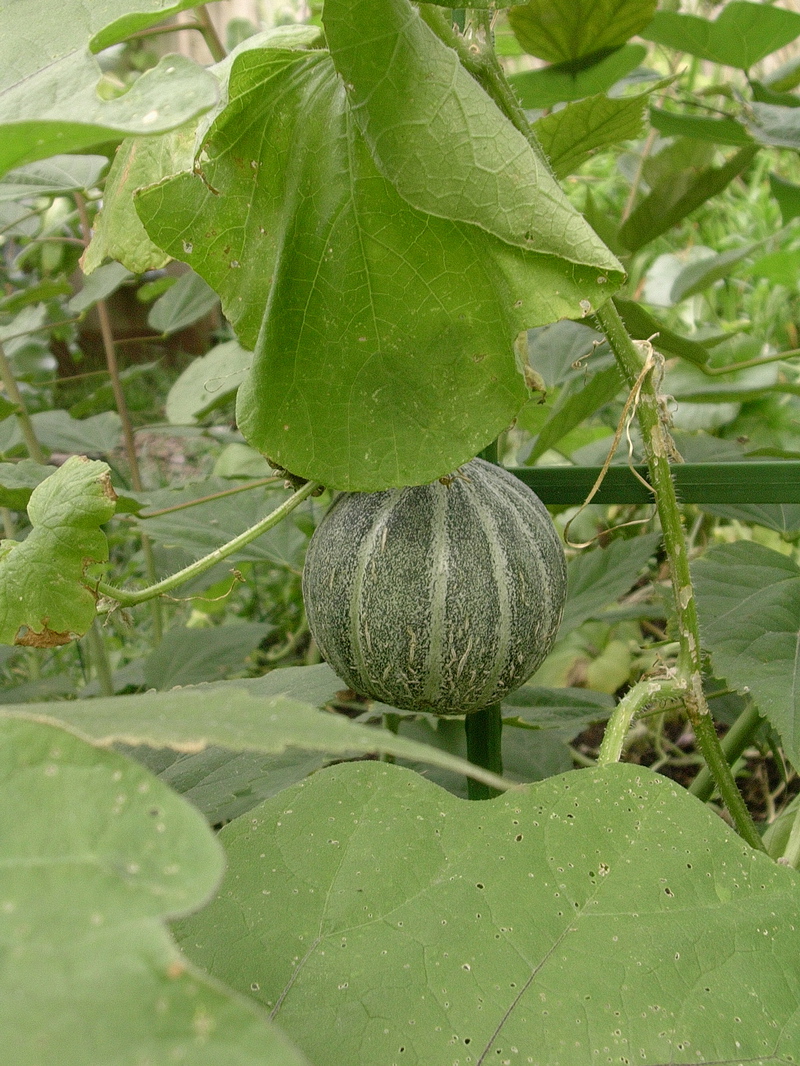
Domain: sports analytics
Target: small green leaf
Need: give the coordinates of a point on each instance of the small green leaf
(774, 124)
(741, 35)
(578, 405)
(571, 136)
(716, 130)
(97, 855)
(563, 31)
(102, 283)
(18, 480)
(45, 599)
(748, 599)
(183, 304)
(642, 326)
(598, 578)
(675, 196)
(207, 382)
(7, 408)
(551, 85)
(518, 927)
(698, 276)
(781, 268)
(59, 174)
(788, 196)
(118, 232)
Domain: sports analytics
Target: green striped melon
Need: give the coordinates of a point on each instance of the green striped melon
(443, 597)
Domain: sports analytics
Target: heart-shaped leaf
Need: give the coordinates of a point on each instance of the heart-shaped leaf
(601, 914)
(347, 380)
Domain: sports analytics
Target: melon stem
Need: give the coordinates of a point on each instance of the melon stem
(484, 731)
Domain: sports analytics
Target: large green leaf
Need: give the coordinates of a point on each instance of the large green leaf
(441, 141)
(741, 35)
(748, 599)
(44, 595)
(566, 31)
(97, 854)
(600, 911)
(367, 338)
(236, 716)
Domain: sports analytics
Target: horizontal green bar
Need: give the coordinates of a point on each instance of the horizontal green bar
(757, 482)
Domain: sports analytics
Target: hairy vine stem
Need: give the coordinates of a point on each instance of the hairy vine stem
(130, 599)
(689, 677)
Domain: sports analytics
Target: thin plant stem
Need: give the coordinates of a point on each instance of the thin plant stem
(637, 177)
(209, 32)
(9, 529)
(484, 731)
(130, 599)
(735, 741)
(129, 443)
(35, 450)
(99, 656)
(632, 703)
(260, 483)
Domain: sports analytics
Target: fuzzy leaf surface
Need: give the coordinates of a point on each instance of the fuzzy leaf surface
(598, 909)
(97, 854)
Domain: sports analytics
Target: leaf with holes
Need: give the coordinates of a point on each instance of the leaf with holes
(45, 598)
(596, 910)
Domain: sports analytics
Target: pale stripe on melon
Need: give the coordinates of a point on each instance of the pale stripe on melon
(442, 597)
